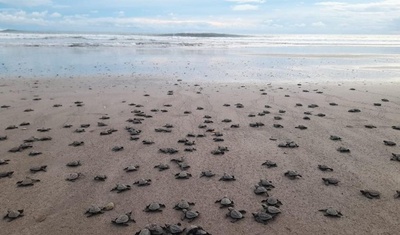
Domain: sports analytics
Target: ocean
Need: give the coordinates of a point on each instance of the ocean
(201, 57)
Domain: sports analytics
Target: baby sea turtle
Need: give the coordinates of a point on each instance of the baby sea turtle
(394, 127)
(24, 124)
(196, 230)
(143, 182)
(397, 195)
(331, 212)
(235, 215)
(324, 168)
(100, 177)
(168, 150)
(271, 201)
(34, 153)
(109, 206)
(79, 130)
(227, 177)
(154, 207)
(183, 204)
(94, 210)
(271, 209)
(131, 168)
(38, 168)
(369, 126)
(123, 219)
(73, 176)
(6, 174)
(266, 183)
(269, 164)
(288, 144)
(13, 214)
(292, 175)
(207, 173)
(183, 165)
(277, 125)
(371, 194)
(85, 125)
(395, 157)
(121, 188)
(43, 129)
(162, 167)
(74, 164)
(262, 217)
(3, 137)
(67, 126)
(235, 126)
(343, 150)
(256, 124)
(27, 182)
(354, 110)
(333, 181)
(385, 100)
(183, 175)
(4, 161)
(260, 190)
(189, 215)
(77, 143)
(389, 143)
(147, 142)
(225, 202)
(117, 148)
(174, 229)
(155, 229)
(301, 127)
(11, 127)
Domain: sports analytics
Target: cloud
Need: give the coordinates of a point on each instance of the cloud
(246, 1)
(55, 15)
(245, 7)
(318, 24)
(26, 3)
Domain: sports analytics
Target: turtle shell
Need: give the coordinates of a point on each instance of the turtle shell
(14, 213)
(122, 219)
(235, 214)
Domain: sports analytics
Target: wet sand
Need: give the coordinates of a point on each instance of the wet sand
(55, 205)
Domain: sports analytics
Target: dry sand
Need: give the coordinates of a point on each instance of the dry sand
(56, 206)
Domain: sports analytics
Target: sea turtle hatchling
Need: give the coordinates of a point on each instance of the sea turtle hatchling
(196, 230)
(301, 127)
(189, 215)
(131, 168)
(74, 164)
(27, 182)
(260, 190)
(335, 137)
(227, 177)
(331, 212)
(4, 161)
(343, 150)
(143, 182)
(329, 181)
(123, 219)
(225, 202)
(269, 164)
(266, 183)
(397, 195)
(262, 217)
(121, 188)
(11, 127)
(389, 143)
(77, 143)
(117, 148)
(13, 214)
(395, 157)
(3, 137)
(94, 210)
(162, 166)
(371, 194)
(235, 215)
(207, 173)
(292, 175)
(154, 207)
(73, 176)
(183, 204)
(183, 175)
(324, 168)
(394, 127)
(100, 177)
(174, 229)
(6, 174)
(272, 210)
(272, 201)
(38, 168)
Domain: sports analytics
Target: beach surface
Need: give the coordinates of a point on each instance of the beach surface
(57, 206)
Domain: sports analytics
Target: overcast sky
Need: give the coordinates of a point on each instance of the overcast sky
(218, 16)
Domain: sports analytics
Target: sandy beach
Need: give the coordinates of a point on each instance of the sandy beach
(55, 205)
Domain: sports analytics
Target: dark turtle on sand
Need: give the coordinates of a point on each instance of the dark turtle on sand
(271, 201)
(397, 195)
(335, 137)
(3, 137)
(266, 183)
(226, 120)
(218, 139)
(6, 174)
(202, 126)
(395, 157)
(324, 168)
(147, 142)
(225, 202)
(301, 127)
(85, 125)
(369, 126)
(269, 164)
(153, 229)
(74, 163)
(178, 160)
(262, 217)
(256, 124)
(174, 229)
(261, 190)
(235, 215)
(227, 177)
(208, 121)
(306, 118)
(104, 117)
(5, 106)
(73, 176)
(27, 182)
(4, 161)
(371, 194)
(131, 168)
(235, 126)
(292, 175)
(24, 124)
(313, 106)
(13, 214)
(67, 126)
(168, 125)
(154, 207)
(354, 111)
(168, 150)
(45, 138)
(11, 127)
(343, 150)
(298, 105)
(394, 127)
(94, 210)
(183, 204)
(226, 105)
(331, 212)
(389, 143)
(34, 153)
(307, 113)
(123, 219)
(100, 177)
(333, 104)
(143, 182)
(43, 129)
(183, 175)
(271, 209)
(288, 144)
(196, 230)
(329, 181)
(38, 168)
(117, 148)
(79, 130)
(162, 167)
(320, 115)
(207, 173)
(385, 100)
(189, 215)
(101, 124)
(77, 143)
(278, 118)
(277, 125)
(183, 165)
(121, 188)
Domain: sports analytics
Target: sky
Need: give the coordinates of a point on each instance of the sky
(200, 16)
